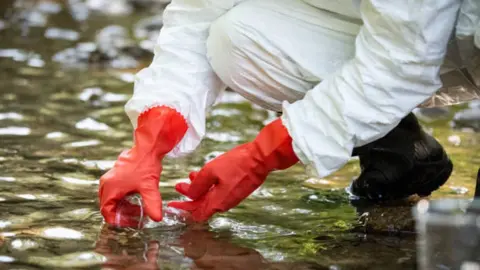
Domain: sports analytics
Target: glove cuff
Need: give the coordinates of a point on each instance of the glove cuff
(273, 146)
(159, 130)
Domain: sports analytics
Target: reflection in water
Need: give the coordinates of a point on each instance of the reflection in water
(62, 125)
(194, 248)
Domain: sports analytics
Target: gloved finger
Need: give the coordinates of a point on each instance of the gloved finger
(203, 214)
(111, 196)
(108, 209)
(186, 206)
(103, 180)
(204, 180)
(210, 205)
(182, 188)
(193, 175)
(152, 201)
(199, 209)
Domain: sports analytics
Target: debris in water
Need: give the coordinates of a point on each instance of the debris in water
(460, 190)
(455, 140)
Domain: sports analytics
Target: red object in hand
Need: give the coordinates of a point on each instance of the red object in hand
(230, 178)
(138, 169)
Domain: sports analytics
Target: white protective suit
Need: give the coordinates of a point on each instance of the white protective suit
(344, 72)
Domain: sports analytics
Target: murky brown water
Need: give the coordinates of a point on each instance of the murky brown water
(62, 128)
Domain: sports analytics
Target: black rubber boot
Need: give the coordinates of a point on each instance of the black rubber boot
(405, 162)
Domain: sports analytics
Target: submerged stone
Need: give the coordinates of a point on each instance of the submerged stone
(468, 118)
(393, 217)
(430, 114)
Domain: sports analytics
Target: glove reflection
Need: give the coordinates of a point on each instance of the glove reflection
(129, 255)
(125, 250)
(209, 252)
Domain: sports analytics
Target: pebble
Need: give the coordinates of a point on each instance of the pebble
(430, 114)
(469, 118)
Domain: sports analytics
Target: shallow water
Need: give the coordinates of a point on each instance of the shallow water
(62, 128)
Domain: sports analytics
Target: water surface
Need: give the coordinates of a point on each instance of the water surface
(61, 128)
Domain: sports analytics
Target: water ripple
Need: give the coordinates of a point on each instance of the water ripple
(17, 131)
(11, 116)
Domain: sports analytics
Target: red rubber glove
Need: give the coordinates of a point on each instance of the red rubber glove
(138, 170)
(230, 178)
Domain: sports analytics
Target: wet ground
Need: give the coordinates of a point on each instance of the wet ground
(62, 125)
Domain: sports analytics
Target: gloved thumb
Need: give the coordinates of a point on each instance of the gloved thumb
(152, 204)
(183, 188)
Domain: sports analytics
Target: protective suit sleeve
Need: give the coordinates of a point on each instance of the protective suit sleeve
(469, 18)
(399, 51)
(180, 75)
(467, 30)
